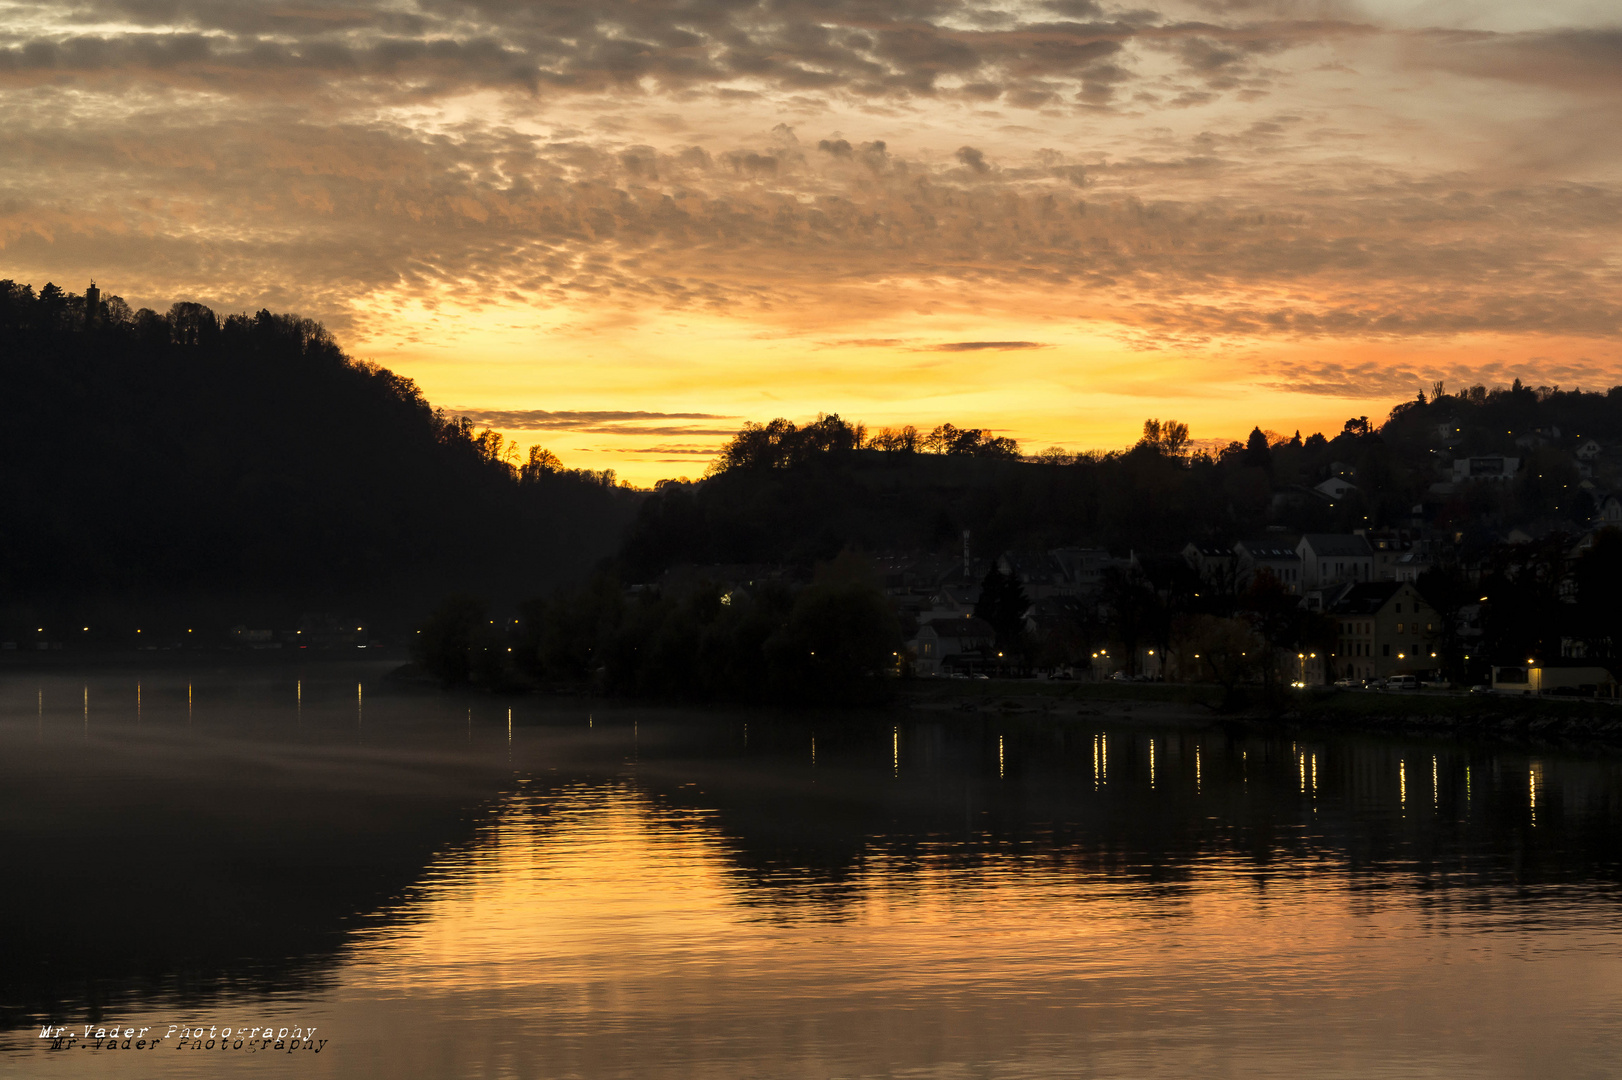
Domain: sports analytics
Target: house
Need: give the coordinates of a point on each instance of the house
(1216, 565)
(1275, 556)
(1334, 558)
(1576, 678)
(1038, 573)
(1495, 469)
(1335, 489)
(1609, 514)
(1588, 450)
(1084, 568)
(1383, 628)
(1394, 549)
(951, 602)
(944, 644)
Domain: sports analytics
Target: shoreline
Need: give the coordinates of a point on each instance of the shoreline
(1574, 724)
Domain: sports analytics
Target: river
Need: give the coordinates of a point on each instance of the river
(434, 885)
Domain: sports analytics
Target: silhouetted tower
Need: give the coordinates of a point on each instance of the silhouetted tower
(92, 303)
(966, 572)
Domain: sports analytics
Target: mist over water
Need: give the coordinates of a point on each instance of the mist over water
(451, 885)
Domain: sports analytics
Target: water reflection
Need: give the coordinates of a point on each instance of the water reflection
(495, 888)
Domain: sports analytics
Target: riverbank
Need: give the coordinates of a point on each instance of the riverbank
(1541, 720)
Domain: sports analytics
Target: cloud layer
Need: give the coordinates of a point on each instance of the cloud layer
(1193, 179)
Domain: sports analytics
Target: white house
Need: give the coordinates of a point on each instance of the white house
(1335, 488)
(940, 642)
(1609, 514)
(1334, 558)
(1588, 450)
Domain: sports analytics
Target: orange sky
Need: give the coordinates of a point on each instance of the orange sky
(1053, 218)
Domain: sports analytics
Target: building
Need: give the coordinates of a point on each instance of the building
(1580, 679)
(1383, 628)
(944, 644)
(1333, 559)
(1495, 469)
(1085, 568)
(1274, 556)
(1216, 565)
(1588, 450)
(1335, 489)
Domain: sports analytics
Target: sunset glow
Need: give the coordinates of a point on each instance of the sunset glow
(622, 229)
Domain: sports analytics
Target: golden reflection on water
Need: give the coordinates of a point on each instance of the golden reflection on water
(600, 932)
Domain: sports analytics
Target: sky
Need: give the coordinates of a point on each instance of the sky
(620, 229)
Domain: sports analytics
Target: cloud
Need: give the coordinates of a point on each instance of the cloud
(600, 422)
(1574, 59)
(979, 346)
(1388, 380)
(703, 451)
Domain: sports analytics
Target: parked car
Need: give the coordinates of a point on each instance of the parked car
(1481, 688)
(1349, 683)
(1402, 682)
(1438, 683)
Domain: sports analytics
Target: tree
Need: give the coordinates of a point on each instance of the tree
(444, 646)
(1257, 453)
(1169, 439)
(1229, 650)
(904, 439)
(542, 462)
(1003, 604)
(1599, 595)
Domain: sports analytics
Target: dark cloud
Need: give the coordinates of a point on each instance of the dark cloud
(601, 422)
(900, 49)
(1585, 60)
(973, 158)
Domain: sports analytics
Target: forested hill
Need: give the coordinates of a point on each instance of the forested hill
(785, 494)
(172, 462)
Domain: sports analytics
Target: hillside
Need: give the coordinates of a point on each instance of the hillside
(807, 502)
(175, 467)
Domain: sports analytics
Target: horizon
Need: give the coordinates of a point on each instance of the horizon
(625, 230)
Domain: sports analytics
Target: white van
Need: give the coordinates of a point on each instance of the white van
(1402, 682)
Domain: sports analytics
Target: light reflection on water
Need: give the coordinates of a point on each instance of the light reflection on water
(649, 895)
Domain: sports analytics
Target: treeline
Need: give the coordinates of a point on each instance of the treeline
(181, 464)
(781, 444)
(796, 495)
(834, 641)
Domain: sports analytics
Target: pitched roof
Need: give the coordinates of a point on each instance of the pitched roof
(1269, 551)
(1365, 598)
(1342, 544)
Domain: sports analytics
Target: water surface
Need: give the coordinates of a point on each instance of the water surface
(448, 886)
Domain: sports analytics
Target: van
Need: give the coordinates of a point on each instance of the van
(1402, 682)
